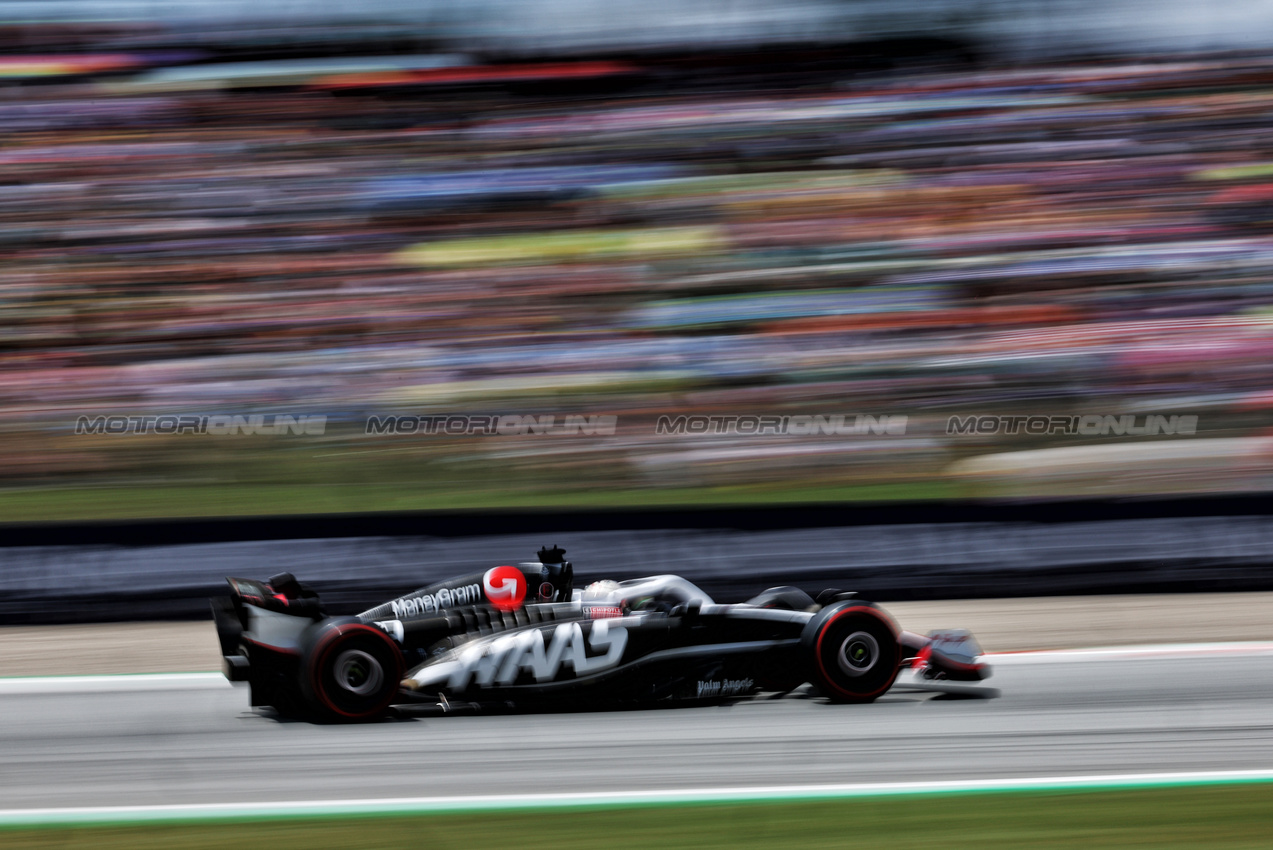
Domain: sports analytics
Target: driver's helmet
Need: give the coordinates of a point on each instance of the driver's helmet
(603, 599)
(601, 591)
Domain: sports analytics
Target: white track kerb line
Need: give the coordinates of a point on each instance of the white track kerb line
(322, 809)
(1170, 651)
(319, 809)
(114, 683)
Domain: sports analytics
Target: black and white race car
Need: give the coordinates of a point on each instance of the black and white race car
(522, 636)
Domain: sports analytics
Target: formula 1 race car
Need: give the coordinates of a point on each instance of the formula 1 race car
(488, 639)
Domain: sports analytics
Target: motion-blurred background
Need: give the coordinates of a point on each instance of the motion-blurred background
(929, 300)
(710, 208)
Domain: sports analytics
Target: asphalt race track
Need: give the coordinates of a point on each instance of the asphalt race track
(183, 742)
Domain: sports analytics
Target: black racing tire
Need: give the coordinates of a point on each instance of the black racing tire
(853, 651)
(351, 671)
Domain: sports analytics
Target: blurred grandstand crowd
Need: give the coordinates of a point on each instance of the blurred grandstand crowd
(736, 234)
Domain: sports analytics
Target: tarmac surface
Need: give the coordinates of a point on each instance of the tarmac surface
(195, 741)
(171, 740)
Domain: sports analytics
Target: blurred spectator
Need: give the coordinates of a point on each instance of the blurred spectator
(437, 236)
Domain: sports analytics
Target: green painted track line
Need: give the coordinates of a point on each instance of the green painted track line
(101, 815)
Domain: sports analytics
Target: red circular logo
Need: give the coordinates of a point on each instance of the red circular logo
(505, 587)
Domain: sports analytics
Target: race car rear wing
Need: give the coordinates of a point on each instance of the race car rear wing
(282, 594)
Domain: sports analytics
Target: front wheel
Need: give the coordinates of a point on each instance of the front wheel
(854, 651)
(352, 671)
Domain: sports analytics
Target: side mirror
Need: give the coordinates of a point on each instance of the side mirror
(834, 594)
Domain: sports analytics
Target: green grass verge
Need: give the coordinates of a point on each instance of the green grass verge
(1227, 816)
(58, 504)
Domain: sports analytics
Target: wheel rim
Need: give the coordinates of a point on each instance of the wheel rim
(859, 653)
(358, 672)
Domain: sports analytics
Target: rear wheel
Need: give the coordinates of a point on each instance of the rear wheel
(352, 671)
(854, 651)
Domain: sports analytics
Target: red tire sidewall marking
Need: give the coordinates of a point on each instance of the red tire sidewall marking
(822, 633)
(326, 645)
